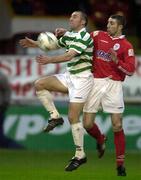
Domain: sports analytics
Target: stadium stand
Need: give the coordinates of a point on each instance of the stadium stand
(98, 11)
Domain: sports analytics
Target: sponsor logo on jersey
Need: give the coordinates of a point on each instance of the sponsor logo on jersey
(120, 107)
(78, 97)
(103, 55)
(116, 47)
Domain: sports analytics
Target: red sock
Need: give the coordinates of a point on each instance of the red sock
(119, 140)
(95, 133)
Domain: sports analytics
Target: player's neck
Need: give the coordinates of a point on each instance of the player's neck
(78, 29)
(118, 34)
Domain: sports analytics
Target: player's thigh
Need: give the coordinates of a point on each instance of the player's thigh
(93, 102)
(112, 101)
(74, 111)
(51, 83)
(116, 119)
(88, 120)
(79, 88)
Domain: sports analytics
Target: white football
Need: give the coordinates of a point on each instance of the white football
(47, 41)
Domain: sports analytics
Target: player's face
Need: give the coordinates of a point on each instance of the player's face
(113, 28)
(76, 21)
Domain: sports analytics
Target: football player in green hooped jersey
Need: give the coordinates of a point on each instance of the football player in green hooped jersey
(77, 81)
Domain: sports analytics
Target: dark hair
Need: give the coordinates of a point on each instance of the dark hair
(84, 16)
(120, 19)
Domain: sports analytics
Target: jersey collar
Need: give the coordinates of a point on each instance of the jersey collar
(83, 29)
(120, 37)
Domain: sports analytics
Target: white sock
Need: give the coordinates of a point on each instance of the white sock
(47, 101)
(78, 137)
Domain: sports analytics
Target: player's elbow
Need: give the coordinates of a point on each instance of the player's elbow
(130, 73)
(131, 70)
(69, 56)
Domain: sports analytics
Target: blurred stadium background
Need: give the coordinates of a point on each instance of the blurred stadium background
(25, 116)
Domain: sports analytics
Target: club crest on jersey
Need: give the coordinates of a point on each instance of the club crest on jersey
(116, 47)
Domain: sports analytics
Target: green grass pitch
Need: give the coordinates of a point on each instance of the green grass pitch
(33, 165)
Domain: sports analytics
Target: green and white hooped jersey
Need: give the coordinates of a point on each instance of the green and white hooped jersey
(82, 43)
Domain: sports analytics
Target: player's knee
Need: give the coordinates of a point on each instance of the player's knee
(39, 85)
(117, 127)
(87, 124)
(73, 118)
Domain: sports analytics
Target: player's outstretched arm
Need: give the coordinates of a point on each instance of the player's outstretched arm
(27, 42)
(41, 59)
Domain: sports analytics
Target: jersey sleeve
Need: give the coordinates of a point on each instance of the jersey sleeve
(94, 33)
(80, 44)
(61, 42)
(63, 39)
(127, 64)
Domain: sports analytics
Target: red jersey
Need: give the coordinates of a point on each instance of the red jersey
(103, 66)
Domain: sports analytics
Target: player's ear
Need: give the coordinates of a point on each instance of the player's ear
(83, 22)
(121, 27)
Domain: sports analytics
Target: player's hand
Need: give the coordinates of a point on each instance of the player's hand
(42, 60)
(60, 32)
(27, 42)
(113, 55)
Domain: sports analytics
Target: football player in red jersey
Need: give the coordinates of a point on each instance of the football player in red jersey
(113, 59)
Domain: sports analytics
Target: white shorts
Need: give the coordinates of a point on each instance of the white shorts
(78, 87)
(106, 94)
